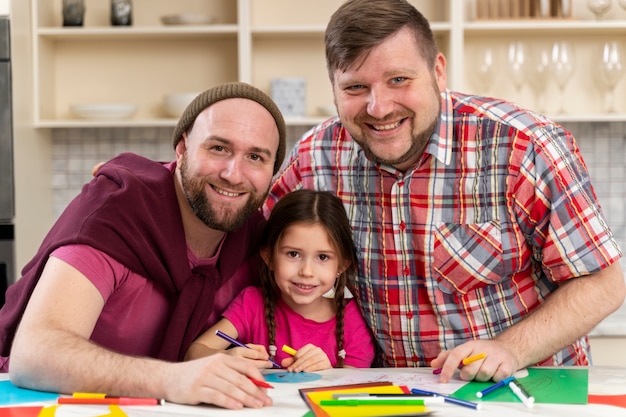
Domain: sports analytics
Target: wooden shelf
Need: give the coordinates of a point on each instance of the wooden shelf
(252, 43)
(148, 32)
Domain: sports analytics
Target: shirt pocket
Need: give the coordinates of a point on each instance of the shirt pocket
(467, 256)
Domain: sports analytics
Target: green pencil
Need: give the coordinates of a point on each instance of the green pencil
(376, 402)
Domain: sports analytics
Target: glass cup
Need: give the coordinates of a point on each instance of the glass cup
(599, 7)
(562, 68)
(612, 66)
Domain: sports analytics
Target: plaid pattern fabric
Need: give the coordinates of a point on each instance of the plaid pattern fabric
(498, 211)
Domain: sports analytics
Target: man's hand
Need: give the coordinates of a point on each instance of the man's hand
(95, 168)
(218, 379)
(575, 308)
(499, 363)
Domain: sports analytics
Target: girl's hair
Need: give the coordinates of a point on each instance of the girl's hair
(309, 207)
(357, 27)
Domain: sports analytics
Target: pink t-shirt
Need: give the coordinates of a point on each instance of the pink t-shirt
(292, 329)
(136, 311)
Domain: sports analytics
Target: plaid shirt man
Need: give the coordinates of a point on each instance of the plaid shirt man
(497, 212)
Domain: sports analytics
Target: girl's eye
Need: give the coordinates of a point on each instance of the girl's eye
(324, 257)
(292, 254)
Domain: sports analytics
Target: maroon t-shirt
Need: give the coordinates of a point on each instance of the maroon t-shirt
(130, 212)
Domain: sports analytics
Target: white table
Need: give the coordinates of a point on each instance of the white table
(288, 403)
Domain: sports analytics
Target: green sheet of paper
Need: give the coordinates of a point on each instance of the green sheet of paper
(547, 385)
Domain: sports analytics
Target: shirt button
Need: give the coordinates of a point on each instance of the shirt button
(402, 226)
(401, 184)
(409, 315)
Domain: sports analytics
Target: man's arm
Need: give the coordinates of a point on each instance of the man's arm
(52, 352)
(571, 312)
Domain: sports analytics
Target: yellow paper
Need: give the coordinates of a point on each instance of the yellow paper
(48, 411)
(365, 410)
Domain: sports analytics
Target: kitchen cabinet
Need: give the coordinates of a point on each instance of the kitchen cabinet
(257, 40)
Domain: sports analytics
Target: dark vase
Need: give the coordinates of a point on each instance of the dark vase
(121, 12)
(73, 12)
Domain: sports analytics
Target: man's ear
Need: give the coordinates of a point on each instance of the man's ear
(181, 147)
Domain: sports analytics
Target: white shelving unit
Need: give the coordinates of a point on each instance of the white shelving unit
(257, 40)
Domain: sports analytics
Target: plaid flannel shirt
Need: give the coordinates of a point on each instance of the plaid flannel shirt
(497, 212)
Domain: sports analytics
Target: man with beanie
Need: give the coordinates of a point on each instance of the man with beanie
(145, 257)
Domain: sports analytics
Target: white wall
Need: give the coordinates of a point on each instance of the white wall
(4, 7)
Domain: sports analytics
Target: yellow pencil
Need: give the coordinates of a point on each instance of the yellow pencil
(473, 358)
(465, 361)
(289, 350)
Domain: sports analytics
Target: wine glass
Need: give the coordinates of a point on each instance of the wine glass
(562, 67)
(611, 71)
(517, 64)
(538, 75)
(599, 7)
(485, 69)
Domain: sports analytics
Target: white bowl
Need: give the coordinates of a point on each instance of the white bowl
(187, 19)
(175, 104)
(103, 111)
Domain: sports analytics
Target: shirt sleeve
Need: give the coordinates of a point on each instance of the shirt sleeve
(358, 343)
(241, 310)
(104, 272)
(563, 217)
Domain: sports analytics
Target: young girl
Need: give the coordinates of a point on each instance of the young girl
(309, 257)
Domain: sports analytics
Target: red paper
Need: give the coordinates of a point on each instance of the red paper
(616, 400)
(32, 411)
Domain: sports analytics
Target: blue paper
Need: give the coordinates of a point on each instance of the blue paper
(10, 394)
(293, 377)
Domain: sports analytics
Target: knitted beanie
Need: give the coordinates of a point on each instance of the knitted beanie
(233, 90)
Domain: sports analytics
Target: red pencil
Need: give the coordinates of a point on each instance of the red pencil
(258, 383)
(111, 400)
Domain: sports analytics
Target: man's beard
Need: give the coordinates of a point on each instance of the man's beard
(418, 145)
(229, 220)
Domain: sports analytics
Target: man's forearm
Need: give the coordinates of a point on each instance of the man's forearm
(66, 363)
(568, 314)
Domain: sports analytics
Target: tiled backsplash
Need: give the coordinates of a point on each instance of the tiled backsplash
(76, 151)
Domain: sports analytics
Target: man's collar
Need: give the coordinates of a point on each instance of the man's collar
(440, 143)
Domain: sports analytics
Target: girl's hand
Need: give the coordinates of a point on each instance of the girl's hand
(308, 358)
(256, 352)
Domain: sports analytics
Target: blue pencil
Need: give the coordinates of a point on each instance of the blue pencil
(448, 399)
(238, 343)
(492, 388)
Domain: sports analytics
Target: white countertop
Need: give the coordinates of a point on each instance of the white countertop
(288, 403)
